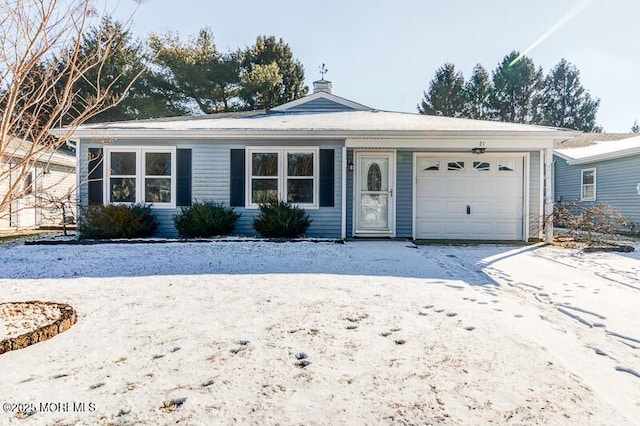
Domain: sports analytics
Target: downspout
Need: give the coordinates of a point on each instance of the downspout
(548, 204)
(343, 198)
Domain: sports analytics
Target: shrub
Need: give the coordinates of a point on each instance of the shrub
(590, 222)
(205, 219)
(281, 220)
(117, 221)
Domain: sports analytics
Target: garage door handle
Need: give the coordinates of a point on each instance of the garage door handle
(468, 209)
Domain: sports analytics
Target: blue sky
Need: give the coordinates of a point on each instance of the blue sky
(383, 53)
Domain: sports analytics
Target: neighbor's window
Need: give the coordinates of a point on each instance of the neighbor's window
(283, 174)
(588, 185)
(141, 175)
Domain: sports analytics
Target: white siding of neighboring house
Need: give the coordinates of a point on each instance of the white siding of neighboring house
(35, 209)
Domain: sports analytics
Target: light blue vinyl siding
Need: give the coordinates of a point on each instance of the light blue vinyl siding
(320, 104)
(404, 194)
(210, 180)
(616, 182)
(349, 194)
(567, 180)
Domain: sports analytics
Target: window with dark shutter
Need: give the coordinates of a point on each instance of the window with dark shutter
(327, 165)
(237, 178)
(183, 177)
(95, 176)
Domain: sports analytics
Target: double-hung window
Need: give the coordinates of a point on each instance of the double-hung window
(588, 185)
(282, 174)
(141, 175)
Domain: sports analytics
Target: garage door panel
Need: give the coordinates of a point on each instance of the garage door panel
(495, 199)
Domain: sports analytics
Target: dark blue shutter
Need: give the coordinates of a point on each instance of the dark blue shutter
(95, 176)
(327, 166)
(237, 178)
(183, 177)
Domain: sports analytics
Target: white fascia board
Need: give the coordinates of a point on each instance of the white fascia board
(321, 95)
(606, 156)
(354, 138)
(511, 143)
(563, 156)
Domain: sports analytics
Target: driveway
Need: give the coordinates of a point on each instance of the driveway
(320, 333)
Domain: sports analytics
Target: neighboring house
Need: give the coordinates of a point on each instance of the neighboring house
(600, 168)
(52, 177)
(358, 172)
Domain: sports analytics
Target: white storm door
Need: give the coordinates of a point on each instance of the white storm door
(374, 193)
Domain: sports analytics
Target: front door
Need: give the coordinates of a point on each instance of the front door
(374, 193)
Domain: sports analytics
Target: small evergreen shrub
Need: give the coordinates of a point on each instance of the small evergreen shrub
(205, 219)
(281, 220)
(117, 221)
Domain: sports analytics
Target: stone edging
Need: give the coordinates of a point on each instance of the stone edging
(67, 318)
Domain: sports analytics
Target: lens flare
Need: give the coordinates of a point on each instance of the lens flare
(564, 19)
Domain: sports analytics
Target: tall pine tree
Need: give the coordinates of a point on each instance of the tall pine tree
(270, 74)
(446, 93)
(565, 103)
(517, 84)
(195, 74)
(477, 94)
(124, 63)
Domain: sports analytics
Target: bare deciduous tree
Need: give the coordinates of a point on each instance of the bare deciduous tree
(41, 65)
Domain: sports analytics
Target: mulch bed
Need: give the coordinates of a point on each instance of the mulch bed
(67, 318)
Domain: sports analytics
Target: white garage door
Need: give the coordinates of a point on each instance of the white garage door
(469, 197)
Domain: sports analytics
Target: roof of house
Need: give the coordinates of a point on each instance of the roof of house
(374, 120)
(19, 148)
(321, 114)
(592, 147)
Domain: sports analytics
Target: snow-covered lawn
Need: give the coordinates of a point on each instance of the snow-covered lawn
(321, 333)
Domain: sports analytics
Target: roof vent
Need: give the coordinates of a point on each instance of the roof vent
(322, 86)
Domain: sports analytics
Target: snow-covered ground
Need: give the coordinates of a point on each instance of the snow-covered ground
(321, 333)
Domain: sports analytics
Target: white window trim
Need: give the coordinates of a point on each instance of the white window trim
(582, 184)
(140, 173)
(282, 173)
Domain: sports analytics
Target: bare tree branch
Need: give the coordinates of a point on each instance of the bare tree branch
(41, 64)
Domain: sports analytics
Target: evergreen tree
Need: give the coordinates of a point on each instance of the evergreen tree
(195, 76)
(446, 93)
(517, 84)
(477, 92)
(270, 74)
(636, 127)
(124, 63)
(565, 103)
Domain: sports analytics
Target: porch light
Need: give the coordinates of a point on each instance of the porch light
(478, 150)
(350, 165)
